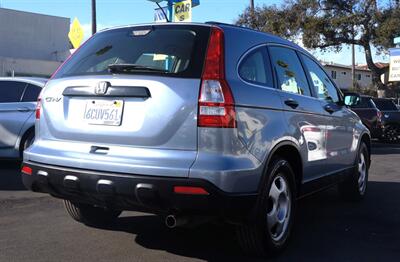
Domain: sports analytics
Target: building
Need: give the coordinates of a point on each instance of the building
(341, 74)
(32, 44)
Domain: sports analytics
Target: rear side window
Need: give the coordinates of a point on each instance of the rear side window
(157, 50)
(11, 91)
(365, 102)
(385, 105)
(289, 71)
(31, 93)
(253, 68)
(321, 82)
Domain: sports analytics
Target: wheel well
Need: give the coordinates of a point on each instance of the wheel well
(366, 139)
(291, 154)
(24, 136)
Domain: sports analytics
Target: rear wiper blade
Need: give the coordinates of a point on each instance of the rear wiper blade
(126, 68)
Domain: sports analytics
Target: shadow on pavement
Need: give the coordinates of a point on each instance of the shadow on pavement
(327, 229)
(10, 178)
(385, 148)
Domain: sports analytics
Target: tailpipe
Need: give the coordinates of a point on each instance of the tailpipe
(172, 221)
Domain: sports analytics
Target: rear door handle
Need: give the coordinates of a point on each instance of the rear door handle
(329, 109)
(292, 103)
(23, 109)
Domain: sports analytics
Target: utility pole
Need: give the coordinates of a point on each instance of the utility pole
(353, 62)
(94, 22)
(252, 12)
(353, 66)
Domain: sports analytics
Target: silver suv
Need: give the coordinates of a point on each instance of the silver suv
(195, 122)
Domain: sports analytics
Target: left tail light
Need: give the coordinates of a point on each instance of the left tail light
(38, 108)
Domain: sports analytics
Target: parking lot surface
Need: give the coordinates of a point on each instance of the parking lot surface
(35, 227)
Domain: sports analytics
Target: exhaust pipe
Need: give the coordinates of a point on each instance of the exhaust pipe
(171, 221)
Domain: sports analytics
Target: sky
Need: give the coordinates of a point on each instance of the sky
(122, 12)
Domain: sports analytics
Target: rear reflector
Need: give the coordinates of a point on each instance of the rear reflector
(26, 170)
(189, 190)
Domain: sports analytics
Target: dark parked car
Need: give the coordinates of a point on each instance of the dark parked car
(366, 109)
(195, 122)
(390, 119)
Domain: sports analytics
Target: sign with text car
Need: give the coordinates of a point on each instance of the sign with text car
(183, 11)
(394, 69)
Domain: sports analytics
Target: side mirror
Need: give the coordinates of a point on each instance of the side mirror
(352, 99)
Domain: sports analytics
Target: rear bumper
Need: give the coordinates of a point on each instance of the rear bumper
(136, 192)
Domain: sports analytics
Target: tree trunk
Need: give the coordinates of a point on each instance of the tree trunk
(376, 72)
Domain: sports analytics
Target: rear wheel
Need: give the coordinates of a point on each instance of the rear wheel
(90, 215)
(270, 231)
(355, 187)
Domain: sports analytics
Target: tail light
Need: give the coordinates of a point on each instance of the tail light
(38, 107)
(379, 116)
(216, 103)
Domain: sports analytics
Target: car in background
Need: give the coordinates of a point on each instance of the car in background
(366, 109)
(18, 97)
(390, 119)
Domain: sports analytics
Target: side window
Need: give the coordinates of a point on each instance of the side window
(10, 91)
(253, 69)
(321, 82)
(289, 72)
(31, 93)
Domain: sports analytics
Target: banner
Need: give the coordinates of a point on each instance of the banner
(159, 16)
(394, 69)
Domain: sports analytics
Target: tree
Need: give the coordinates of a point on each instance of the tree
(328, 24)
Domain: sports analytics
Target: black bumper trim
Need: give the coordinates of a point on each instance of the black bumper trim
(136, 192)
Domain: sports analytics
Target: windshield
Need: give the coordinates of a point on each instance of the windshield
(385, 105)
(162, 50)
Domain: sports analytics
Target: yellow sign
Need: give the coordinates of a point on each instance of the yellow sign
(183, 11)
(75, 34)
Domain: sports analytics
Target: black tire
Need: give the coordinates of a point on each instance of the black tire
(27, 141)
(90, 215)
(355, 187)
(258, 237)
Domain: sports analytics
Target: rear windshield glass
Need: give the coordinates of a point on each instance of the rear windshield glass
(385, 105)
(161, 50)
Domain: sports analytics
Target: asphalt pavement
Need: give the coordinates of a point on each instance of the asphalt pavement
(35, 227)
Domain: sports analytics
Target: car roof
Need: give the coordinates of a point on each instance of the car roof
(267, 36)
(39, 81)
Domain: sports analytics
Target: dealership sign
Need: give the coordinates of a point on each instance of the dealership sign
(183, 11)
(394, 69)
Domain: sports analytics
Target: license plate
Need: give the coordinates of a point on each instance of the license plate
(104, 112)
